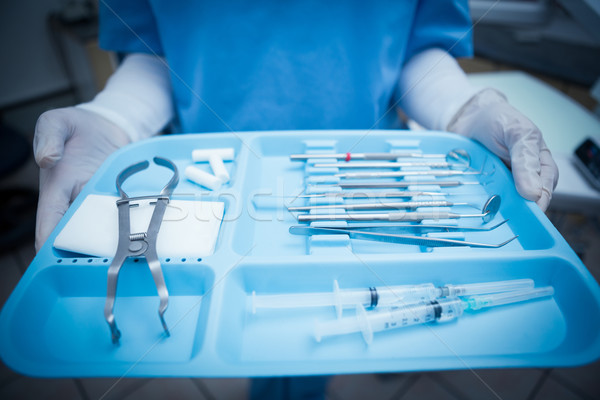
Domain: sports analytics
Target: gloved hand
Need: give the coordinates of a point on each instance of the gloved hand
(435, 92)
(488, 118)
(69, 145)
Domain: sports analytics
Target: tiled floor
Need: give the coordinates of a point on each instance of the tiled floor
(532, 384)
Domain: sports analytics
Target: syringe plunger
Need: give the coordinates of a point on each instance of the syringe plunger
(344, 298)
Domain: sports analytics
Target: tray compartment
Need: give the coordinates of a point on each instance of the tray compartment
(65, 302)
(193, 208)
(178, 150)
(540, 329)
(270, 180)
(276, 181)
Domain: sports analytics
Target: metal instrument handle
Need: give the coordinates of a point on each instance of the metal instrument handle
(139, 244)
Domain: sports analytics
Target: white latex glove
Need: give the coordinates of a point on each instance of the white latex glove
(69, 146)
(489, 119)
(71, 143)
(435, 92)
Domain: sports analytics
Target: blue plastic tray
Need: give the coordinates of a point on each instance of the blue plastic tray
(53, 323)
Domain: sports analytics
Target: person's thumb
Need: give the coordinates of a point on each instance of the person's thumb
(52, 130)
(525, 165)
(55, 196)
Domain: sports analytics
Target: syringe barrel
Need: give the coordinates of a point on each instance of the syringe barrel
(393, 317)
(398, 317)
(498, 299)
(471, 289)
(406, 294)
(451, 308)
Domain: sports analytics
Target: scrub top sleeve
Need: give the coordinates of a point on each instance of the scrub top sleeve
(128, 26)
(445, 24)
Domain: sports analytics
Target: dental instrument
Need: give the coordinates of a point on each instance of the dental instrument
(139, 244)
(380, 296)
(380, 205)
(456, 154)
(391, 227)
(456, 157)
(488, 211)
(372, 195)
(384, 165)
(440, 310)
(402, 174)
(394, 238)
(394, 184)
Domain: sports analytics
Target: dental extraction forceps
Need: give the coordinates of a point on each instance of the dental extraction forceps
(139, 244)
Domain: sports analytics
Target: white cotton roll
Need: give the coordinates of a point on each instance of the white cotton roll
(227, 153)
(202, 178)
(218, 168)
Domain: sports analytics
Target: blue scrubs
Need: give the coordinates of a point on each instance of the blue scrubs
(276, 65)
(263, 65)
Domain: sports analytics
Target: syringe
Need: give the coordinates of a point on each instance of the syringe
(437, 310)
(381, 296)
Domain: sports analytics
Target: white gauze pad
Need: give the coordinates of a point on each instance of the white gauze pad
(189, 228)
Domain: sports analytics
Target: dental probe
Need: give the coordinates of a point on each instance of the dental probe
(458, 155)
(379, 206)
(394, 238)
(401, 174)
(393, 184)
(393, 164)
(372, 195)
(488, 211)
